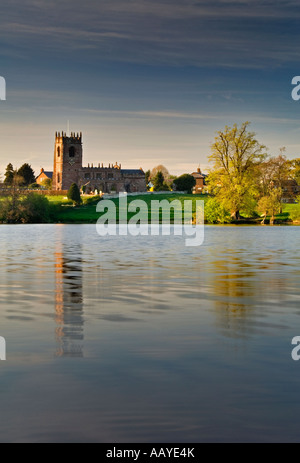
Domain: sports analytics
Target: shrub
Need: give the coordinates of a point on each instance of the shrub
(36, 208)
(92, 200)
(215, 212)
(33, 208)
(295, 213)
(74, 194)
(34, 186)
(47, 183)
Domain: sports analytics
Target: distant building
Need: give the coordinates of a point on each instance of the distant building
(68, 169)
(200, 181)
(44, 176)
(290, 191)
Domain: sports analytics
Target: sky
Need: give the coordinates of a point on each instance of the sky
(148, 82)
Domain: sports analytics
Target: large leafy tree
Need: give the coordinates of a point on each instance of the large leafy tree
(27, 173)
(9, 174)
(185, 182)
(295, 169)
(273, 175)
(236, 154)
(270, 205)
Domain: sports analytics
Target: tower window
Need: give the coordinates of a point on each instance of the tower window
(72, 152)
(58, 152)
(58, 178)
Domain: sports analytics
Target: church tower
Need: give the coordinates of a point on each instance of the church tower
(67, 160)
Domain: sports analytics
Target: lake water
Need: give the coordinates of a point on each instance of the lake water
(141, 339)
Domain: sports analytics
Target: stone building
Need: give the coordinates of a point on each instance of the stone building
(68, 169)
(200, 181)
(44, 175)
(290, 191)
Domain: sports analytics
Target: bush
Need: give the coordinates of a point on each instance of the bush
(295, 213)
(36, 208)
(33, 208)
(215, 212)
(47, 183)
(34, 186)
(74, 194)
(92, 200)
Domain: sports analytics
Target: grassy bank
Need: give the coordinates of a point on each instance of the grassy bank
(64, 212)
(61, 210)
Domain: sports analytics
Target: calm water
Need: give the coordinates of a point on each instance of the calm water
(146, 340)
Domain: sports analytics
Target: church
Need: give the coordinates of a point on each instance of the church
(68, 169)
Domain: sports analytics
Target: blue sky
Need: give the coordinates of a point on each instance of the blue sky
(147, 82)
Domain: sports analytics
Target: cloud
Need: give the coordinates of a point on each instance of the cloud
(150, 114)
(173, 32)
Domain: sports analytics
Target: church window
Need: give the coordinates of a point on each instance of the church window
(72, 152)
(58, 152)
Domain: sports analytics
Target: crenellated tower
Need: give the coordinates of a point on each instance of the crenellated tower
(67, 160)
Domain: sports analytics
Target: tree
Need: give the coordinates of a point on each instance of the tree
(33, 208)
(36, 208)
(161, 169)
(159, 183)
(185, 182)
(47, 183)
(295, 169)
(147, 176)
(27, 173)
(215, 212)
(235, 154)
(9, 174)
(275, 173)
(11, 209)
(74, 194)
(270, 205)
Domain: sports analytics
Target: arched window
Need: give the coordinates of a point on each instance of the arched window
(72, 152)
(58, 178)
(58, 152)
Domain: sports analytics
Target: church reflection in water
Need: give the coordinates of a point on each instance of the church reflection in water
(69, 317)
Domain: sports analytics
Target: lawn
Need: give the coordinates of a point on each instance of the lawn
(63, 212)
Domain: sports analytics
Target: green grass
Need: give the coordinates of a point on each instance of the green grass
(58, 200)
(63, 212)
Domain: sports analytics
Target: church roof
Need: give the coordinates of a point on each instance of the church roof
(132, 171)
(49, 174)
(198, 175)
